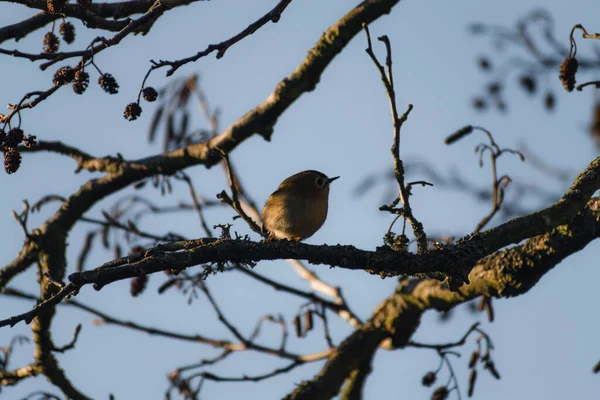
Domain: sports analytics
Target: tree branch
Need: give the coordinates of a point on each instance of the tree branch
(356, 381)
(398, 121)
(274, 15)
(507, 273)
(455, 261)
(8, 378)
(105, 16)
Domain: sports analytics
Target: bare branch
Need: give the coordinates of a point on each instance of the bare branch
(234, 202)
(70, 345)
(398, 317)
(8, 378)
(339, 306)
(454, 261)
(274, 15)
(256, 378)
(398, 121)
(445, 346)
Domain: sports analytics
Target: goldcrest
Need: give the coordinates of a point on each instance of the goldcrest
(298, 208)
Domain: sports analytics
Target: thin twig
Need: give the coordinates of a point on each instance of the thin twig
(233, 201)
(71, 344)
(388, 82)
(255, 378)
(210, 361)
(445, 346)
(67, 290)
(323, 315)
(221, 316)
(274, 15)
(339, 306)
(197, 205)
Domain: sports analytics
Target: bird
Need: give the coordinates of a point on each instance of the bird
(298, 208)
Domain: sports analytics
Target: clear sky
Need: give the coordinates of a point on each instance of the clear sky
(545, 342)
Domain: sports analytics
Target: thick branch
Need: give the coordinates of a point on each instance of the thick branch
(455, 262)
(505, 274)
(356, 381)
(53, 265)
(27, 256)
(21, 29)
(106, 16)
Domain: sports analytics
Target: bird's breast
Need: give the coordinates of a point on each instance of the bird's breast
(294, 216)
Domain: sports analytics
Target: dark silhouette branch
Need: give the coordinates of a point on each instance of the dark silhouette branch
(104, 16)
(341, 308)
(255, 378)
(387, 78)
(507, 273)
(445, 346)
(455, 261)
(353, 390)
(273, 16)
(226, 345)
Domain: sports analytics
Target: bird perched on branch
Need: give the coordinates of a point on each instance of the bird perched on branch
(298, 208)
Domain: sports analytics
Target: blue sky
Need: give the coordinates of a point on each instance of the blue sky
(546, 341)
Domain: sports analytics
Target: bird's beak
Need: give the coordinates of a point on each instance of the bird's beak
(332, 179)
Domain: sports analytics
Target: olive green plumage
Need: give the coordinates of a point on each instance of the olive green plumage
(298, 208)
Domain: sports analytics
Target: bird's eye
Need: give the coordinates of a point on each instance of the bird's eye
(320, 181)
